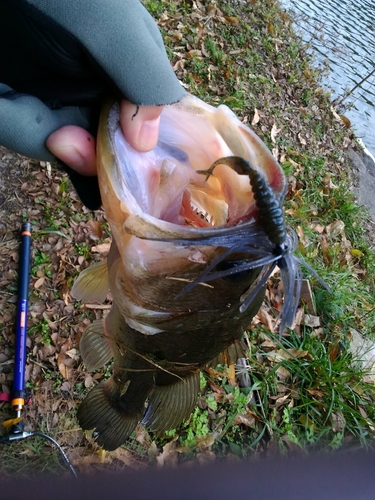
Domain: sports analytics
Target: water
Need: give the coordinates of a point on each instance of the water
(342, 34)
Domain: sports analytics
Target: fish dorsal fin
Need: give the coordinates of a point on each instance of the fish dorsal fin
(92, 284)
(169, 405)
(95, 347)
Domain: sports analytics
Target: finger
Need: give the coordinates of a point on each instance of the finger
(75, 147)
(140, 125)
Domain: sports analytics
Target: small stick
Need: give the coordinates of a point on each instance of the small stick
(337, 103)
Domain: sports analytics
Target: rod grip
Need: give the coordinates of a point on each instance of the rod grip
(22, 314)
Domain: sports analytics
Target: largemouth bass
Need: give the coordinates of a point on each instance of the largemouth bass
(192, 249)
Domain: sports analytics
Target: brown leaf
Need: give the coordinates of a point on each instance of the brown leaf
(39, 282)
(333, 351)
(302, 140)
(65, 371)
(265, 318)
(327, 181)
(346, 121)
(194, 53)
(274, 132)
(311, 321)
(316, 392)
(282, 373)
(307, 297)
(338, 421)
(282, 401)
(88, 381)
(268, 344)
(335, 228)
(169, 455)
(232, 19)
(216, 388)
(65, 365)
(248, 419)
(95, 229)
(256, 117)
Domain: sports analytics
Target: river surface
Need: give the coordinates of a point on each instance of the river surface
(342, 36)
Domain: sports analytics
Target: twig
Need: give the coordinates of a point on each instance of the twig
(337, 103)
(39, 364)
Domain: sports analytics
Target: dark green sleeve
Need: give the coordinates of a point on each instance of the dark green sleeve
(26, 122)
(60, 58)
(71, 54)
(124, 40)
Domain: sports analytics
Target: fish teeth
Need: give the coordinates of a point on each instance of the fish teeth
(200, 212)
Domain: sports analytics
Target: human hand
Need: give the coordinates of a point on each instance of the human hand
(75, 146)
(60, 59)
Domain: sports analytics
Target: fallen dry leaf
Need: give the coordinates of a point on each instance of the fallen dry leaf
(311, 321)
(256, 117)
(95, 229)
(282, 373)
(338, 421)
(274, 132)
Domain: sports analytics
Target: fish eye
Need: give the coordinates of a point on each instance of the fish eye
(236, 277)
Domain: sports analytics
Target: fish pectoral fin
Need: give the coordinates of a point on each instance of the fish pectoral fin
(170, 404)
(95, 347)
(92, 284)
(102, 410)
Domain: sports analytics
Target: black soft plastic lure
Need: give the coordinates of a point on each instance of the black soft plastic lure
(280, 248)
(277, 251)
(267, 240)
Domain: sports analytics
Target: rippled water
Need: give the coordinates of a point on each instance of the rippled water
(342, 33)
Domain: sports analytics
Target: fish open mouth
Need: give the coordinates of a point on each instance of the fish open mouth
(164, 183)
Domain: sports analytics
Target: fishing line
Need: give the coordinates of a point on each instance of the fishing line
(17, 436)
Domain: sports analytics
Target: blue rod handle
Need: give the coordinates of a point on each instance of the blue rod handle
(21, 321)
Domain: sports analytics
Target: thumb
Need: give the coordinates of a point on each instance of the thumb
(140, 125)
(75, 147)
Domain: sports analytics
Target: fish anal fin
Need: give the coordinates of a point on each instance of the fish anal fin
(230, 355)
(95, 346)
(237, 361)
(170, 404)
(92, 284)
(101, 410)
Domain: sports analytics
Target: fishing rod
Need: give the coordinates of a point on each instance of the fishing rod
(19, 396)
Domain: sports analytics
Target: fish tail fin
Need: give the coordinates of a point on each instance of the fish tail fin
(170, 404)
(95, 347)
(104, 411)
